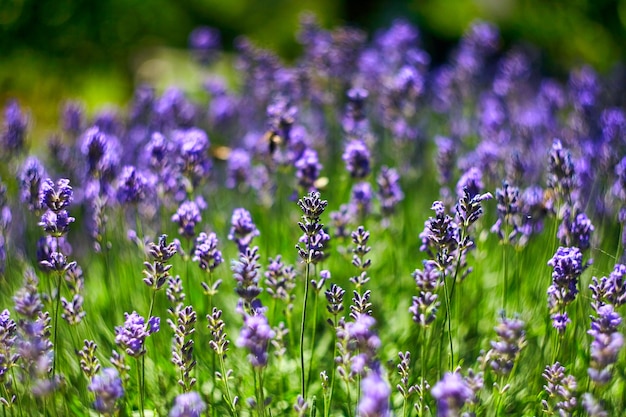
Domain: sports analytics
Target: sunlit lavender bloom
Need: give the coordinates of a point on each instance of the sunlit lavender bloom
(14, 128)
(189, 404)
(157, 152)
(205, 42)
(56, 224)
(315, 245)
(73, 311)
(107, 388)
(451, 393)
(567, 264)
(375, 395)
(132, 186)
(206, 253)
(242, 229)
(56, 197)
(575, 232)
(357, 159)
(308, 169)
(31, 175)
(132, 335)
(238, 168)
(472, 179)
(389, 191)
(188, 216)
(255, 336)
(606, 345)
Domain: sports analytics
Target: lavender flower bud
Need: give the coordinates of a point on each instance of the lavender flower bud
(389, 191)
(308, 169)
(30, 178)
(606, 345)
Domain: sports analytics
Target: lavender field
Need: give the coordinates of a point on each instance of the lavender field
(360, 232)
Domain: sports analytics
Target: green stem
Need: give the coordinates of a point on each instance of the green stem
(57, 351)
(302, 324)
(226, 385)
(332, 375)
(140, 371)
(315, 297)
(449, 319)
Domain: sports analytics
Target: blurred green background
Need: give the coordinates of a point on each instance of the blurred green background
(53, 50)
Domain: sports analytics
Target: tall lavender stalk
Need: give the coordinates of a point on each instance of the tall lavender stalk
(310, 249)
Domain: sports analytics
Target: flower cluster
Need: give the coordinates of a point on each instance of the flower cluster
(132, 335)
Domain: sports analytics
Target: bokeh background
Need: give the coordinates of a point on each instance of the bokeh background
(96, 51)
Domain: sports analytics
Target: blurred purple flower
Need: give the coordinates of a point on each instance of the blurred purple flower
(451, 393)
(375, 395)
(188, 216)
(15, 124)
(206, 253)
(107, 388)
(357, 159)
(308, 169)
(255, 336)
(242, 229)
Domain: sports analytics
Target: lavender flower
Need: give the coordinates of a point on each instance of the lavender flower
(308, 169)
(508, 200)
(132, 186)
(14, 129)
(561, 175)
(204, 43)
(606, 345)
(8, 358)
(107, 387)
(314, 239)
(56, 224)
(505, 350)
(239, 168)
(242, 229)
(206, 253)
(357, 158)
(255, 336)
(425, 305)
(575, 232)
(451, 393)
(439, 238)
(472, 180)
(187, 216)
(182, 344)
(72, 118)
(189, 404)
(561, 389)
(567, 267)
(280, 279)
(389, 191)
(375, 395)
(361, 199)
(132, 335)
(246, 273)
(56, 198)
(30, 178)
(193, 154)
(157, 272)
(364, 340)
